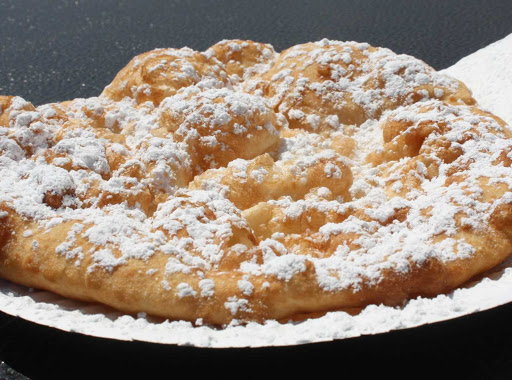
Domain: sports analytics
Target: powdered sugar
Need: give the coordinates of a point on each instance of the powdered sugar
(416, 312)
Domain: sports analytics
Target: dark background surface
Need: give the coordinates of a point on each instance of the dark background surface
(73, 49)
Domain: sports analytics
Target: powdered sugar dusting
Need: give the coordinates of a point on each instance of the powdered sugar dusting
(170, 220)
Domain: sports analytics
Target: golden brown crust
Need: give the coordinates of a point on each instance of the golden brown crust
(157, 74)
(347, 83)
(243, 58)
(242, 184)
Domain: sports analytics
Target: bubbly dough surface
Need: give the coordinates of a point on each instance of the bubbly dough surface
(240, 184)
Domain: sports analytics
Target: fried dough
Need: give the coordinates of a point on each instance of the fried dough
(240, 184)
